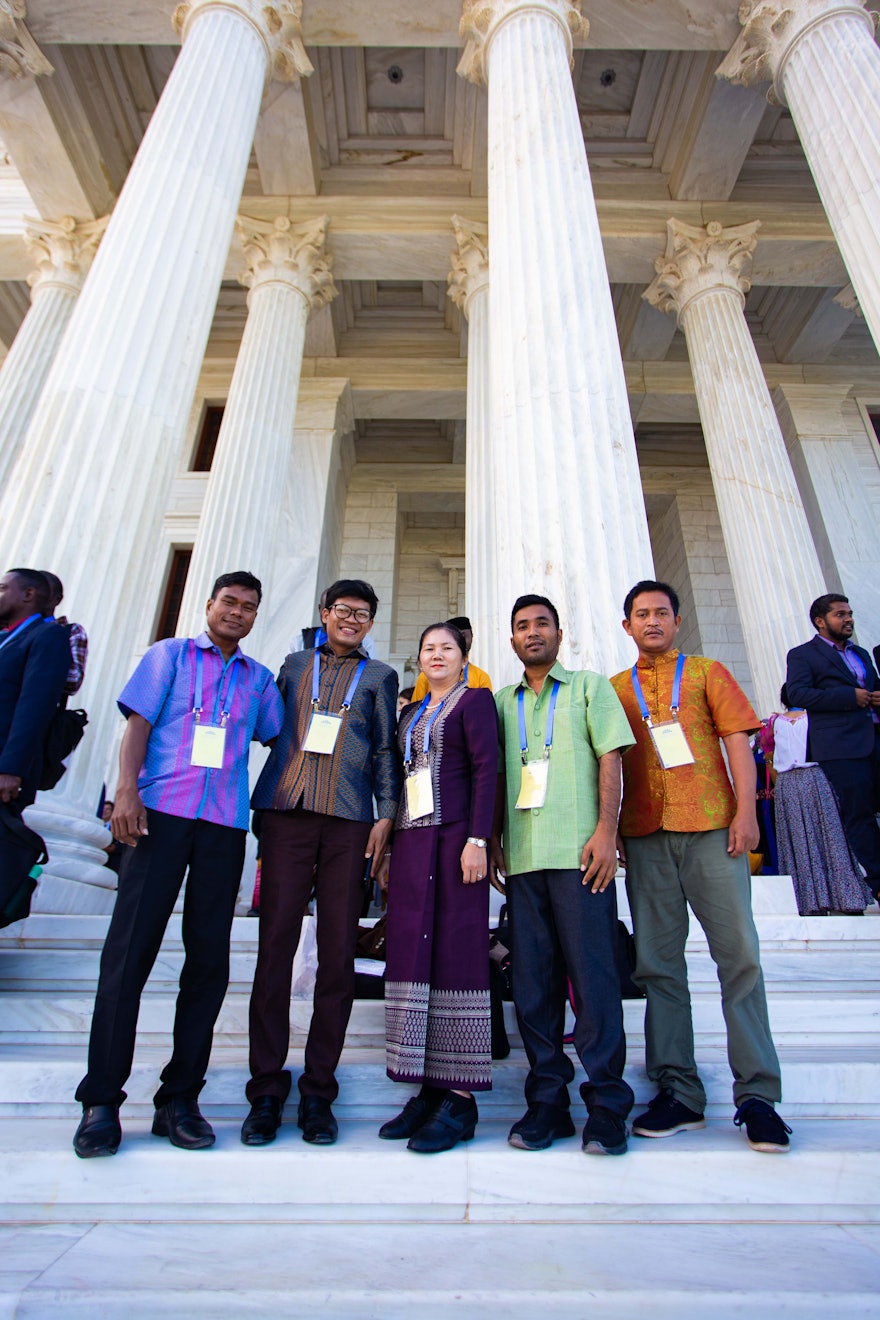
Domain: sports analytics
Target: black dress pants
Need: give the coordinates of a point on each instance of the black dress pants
(856, 782)
(149, 883)
(301, 849)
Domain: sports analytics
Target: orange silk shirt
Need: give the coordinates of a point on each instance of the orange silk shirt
(690, 798)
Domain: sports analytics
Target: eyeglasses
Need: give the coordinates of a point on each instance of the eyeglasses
(346, 612)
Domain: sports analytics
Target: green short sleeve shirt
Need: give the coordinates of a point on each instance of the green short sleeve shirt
(589, 722)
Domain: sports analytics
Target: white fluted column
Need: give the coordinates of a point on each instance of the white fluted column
(100, 454)
(469, 290)
(823, 64)
(63, 253)
(287, 274)
(573, 522)
(773, 560)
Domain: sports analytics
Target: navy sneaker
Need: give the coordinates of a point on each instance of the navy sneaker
(604, 1133)
(540, 1126)
(765, 1130)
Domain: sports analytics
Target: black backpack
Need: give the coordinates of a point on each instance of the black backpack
(64, 733)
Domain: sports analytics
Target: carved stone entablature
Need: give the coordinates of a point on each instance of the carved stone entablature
(470, 261)
(62, 251)
(770, 30)
(481, 18)
(282, 253)
(278, 24)
(701, 260)
(20, 56)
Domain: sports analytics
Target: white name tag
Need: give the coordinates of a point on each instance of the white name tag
(419, 794)
(533, 785)
(322, 734)
(672, 745)
(209, 744)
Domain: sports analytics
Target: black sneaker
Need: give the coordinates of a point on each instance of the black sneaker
(539, 1127)
(665, 1116)
(604, 1133)
(765, 1130)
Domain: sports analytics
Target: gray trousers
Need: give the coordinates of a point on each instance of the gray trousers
(666, 871)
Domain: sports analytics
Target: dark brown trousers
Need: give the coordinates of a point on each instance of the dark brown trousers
(301, 849)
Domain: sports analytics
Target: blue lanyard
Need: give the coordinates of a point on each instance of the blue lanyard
(407, 755)
(34, 618)
(551, 716)
(676, 690)
(230, 688)
(467, 670)
(316, 683)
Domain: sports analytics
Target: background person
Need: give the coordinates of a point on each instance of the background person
(472, 675)
(437, 1018)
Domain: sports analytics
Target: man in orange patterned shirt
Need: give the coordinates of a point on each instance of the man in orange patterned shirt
(686, 832)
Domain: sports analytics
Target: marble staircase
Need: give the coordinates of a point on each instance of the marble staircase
(698, 1225)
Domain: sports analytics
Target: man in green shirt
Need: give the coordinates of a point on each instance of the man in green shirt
(562, 732)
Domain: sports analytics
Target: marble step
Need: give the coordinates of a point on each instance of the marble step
(830, 1175)
(806, 1015)
(469, 1271)
(818, 1081)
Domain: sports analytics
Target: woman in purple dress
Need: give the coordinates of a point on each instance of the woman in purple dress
(437, 971)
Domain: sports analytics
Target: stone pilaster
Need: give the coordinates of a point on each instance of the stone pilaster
(571, 523)
(469, 290)
(287, 275)
(62, 254)
(100, 454)
(773, 560)
(822, 62)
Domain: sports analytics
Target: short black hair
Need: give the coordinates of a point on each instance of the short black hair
(522, 601)
(455, 633)
(461, 622)
(354, 587)
(822, 604)
(240, 579)
(39, 584)
(648, 584)
(406, 693)
(56, 586)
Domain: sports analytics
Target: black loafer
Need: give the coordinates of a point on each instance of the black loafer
(99, 1132)
(315, 1117)
(264, 1120)
(445, 1128)
(182, 1123)
(415, 1114)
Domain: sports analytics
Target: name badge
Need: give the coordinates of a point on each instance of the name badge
(672, 744)
(419, 794)
(322, 734)
(209, 744)
(533, 785)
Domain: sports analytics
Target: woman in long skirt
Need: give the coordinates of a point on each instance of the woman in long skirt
(437, 1021)
(812, 846)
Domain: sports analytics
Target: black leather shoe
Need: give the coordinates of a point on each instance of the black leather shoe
(414, 1115)
(99, 1132)
(540, 1126)
(182, 1123)
(315, 1117)
(264, 1120)
(445, 1128)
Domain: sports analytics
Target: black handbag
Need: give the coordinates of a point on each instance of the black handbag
(22, 852)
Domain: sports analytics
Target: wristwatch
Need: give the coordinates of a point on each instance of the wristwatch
(478, 843)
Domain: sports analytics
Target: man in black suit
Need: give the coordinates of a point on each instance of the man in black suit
(34, 659)
(836, 683)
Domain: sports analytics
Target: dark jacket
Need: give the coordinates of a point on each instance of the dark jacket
(33, 670)
(364, 763)
(819, 679)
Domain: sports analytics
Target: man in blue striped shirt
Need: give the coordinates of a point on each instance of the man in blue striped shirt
(193, 706)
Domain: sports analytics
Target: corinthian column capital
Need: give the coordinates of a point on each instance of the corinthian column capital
(281, 253)
(20, 56)
(62, 251)
(470, 261)
(481, 19)
(278, 25)
(701, 260)
(771, 29)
